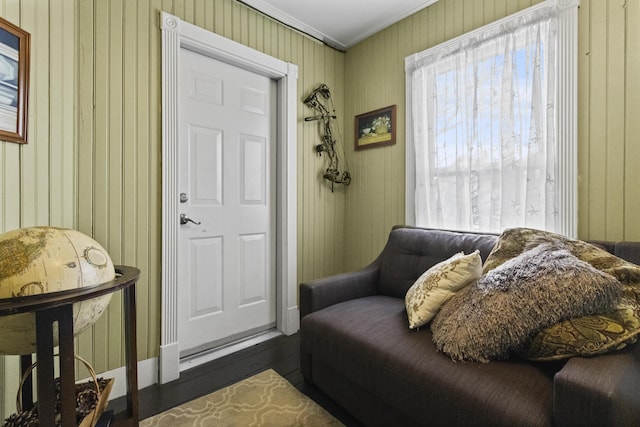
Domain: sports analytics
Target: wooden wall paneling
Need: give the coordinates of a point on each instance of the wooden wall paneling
(310, 172)
(199, 18)
(11, 180)
(97, 342)
(296, 57)
(62, 102)
(101, 157)
(9, 157)
(129, 141)
(179, 8)
(497, 7)
(34, 159)
(86, 342)
(584, 112)
(335, 75)
(144, 227)
(252, 25)
(632, 122)
(368, 89)
(85, 144)
(597, 149)
(468, 16)
(101, 88)
(272, 47)
(130, 161)
(393, 66)
(9, 186)
(114, 131)
(405, 48)
(318, 167)
(367, 166)
(352, 107)
(85, 129)
(219, 19)
(154, 187)
(397, 184)
(452, 10)
(488, 10)
(338, 232)
(239, 26)
(515, 6)
(512, 7)
(344, 122)
(305, 165)
(434, 15)
(615, 118)
(327, 200)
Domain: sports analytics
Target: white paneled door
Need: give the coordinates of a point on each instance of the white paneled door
(226, 240)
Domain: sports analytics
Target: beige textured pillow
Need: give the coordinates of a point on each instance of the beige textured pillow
(439, 283)
(540, 287)
(587, 335)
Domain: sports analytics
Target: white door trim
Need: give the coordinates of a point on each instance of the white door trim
(177, 34)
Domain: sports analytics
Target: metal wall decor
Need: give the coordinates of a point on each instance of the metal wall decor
(319, 99)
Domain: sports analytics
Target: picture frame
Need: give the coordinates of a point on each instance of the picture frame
(14, 82)
(375, 128)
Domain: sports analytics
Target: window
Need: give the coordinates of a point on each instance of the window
(491, 126)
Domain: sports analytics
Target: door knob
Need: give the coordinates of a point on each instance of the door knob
(184, 219)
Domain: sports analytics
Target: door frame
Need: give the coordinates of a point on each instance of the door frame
(177, 34)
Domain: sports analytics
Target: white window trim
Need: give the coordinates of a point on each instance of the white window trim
(567, 109)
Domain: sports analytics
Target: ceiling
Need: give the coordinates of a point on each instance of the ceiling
(339, 23)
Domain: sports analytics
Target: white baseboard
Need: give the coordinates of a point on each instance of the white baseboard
(169, 362)
(147, 376)
(293, 321)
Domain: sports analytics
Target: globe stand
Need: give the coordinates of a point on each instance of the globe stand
(58, 307)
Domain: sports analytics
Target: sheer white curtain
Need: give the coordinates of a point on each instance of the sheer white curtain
(484, 128)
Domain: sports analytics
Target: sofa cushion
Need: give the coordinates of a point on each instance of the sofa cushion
(586, 335)
(438, 284)
(409, 252)
(367, 343)
(540, 287)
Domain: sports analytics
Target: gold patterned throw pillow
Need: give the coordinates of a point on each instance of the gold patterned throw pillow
(581, 336)
(438, 284)
(491, 319)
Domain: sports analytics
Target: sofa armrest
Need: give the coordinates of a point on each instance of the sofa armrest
(598, 391)
(318, 294)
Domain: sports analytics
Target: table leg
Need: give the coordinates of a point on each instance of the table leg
(27, 388)
(131, 352)
(46, 384)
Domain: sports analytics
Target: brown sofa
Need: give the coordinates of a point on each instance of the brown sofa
(357, 348)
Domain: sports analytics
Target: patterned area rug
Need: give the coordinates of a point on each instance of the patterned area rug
(265, 399)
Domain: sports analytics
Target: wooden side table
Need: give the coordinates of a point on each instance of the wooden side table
(58, 307)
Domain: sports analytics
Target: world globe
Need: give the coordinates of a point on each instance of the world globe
(38, 260)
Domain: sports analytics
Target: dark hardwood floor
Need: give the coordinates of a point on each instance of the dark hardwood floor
(282, 354)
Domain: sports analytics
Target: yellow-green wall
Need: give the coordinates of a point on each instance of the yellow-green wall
(93, 159)
(609, 113)
(375, 77)
(119, 167)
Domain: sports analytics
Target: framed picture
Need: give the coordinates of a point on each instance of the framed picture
(14, 82)
(376, 128)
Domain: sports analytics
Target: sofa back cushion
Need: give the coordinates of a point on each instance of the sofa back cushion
(409, 252)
